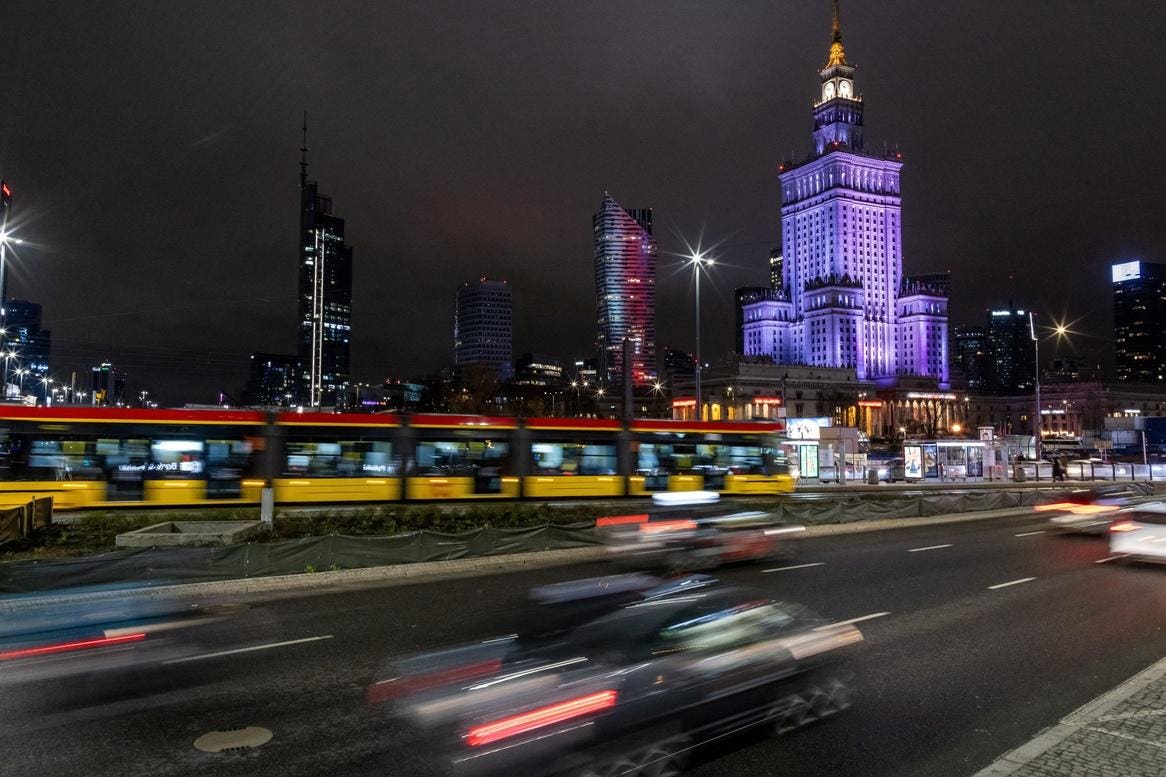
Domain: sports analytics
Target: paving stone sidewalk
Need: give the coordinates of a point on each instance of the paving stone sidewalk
(1120, 734)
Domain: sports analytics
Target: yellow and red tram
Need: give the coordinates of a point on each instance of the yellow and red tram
(105, 457)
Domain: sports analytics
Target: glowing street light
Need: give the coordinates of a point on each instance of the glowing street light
(698, 260)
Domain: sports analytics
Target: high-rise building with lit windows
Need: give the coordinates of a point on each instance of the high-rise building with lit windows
(1012, 349)
(775, 262)
(483, 329)
(1139, 319)
(844, 300)
(625, 290)
(325, 320)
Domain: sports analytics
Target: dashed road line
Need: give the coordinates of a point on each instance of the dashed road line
(795, 566)
(859, 619)
(1030, 533)
(1011, 582)
(929, 547)
(246, 649)
(1108, 558)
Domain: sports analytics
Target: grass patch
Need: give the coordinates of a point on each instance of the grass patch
(94, 533)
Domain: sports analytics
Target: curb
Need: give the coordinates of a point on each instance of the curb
(403, 574)
(1081, 717)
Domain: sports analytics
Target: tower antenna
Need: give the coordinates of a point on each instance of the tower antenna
(304, 154)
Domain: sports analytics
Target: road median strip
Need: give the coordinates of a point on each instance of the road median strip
(401, 574)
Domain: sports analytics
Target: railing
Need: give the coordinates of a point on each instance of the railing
(1080, 472)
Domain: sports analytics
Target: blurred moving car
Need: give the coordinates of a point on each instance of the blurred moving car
(695, 530)
(93, 630)
(631, 690)
(1090, 510)
(1139, 533)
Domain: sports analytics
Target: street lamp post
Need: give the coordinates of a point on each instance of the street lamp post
(1036, 369)
(698, 260)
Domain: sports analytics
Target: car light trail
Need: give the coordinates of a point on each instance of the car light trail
(66, 647)
(538, 718)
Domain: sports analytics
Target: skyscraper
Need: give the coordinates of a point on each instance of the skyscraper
(845, 303)
(973, 358)
(1013, 353)
(1139, 321)
(625, 290)
(325, 328)
(483, 331)
(32, 345)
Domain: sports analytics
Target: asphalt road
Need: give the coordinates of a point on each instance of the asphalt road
(954, 672)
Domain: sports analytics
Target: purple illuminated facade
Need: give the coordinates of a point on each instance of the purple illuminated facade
(844, 301)
(625, 290)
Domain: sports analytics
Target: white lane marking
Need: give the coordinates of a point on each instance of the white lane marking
(1110, 558)
(246, 649)
(929, 547)
(795, 566)
(1030, 533)
(1011, 582)
(859, 619)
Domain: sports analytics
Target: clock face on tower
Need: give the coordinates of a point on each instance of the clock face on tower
(828, 90)
(844, 89)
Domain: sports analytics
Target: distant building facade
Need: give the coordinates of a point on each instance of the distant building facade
(483, 328)
(973, 358)
(325, 287)
(33, 347)
(536, 369)
(776, 260)
(742, 297)
(108, 386)
(1139, 321)
(275, 380)
(625, 290)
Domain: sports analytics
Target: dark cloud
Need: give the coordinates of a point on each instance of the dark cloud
(153, 149)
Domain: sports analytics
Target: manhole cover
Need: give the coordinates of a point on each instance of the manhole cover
(233, 739)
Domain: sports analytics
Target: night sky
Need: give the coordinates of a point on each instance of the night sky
(153, 150)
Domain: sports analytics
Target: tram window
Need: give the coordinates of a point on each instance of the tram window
(462, 458)
(176, 460)
(675, 457)
(573, 458)
(340, 459)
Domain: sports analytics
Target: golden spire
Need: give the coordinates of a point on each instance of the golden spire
(837, 52)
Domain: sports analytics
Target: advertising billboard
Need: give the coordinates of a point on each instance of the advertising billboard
(913, 462)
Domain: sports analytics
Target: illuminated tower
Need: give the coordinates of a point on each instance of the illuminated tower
(325, 327)
(625, 290)
(842, 261)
